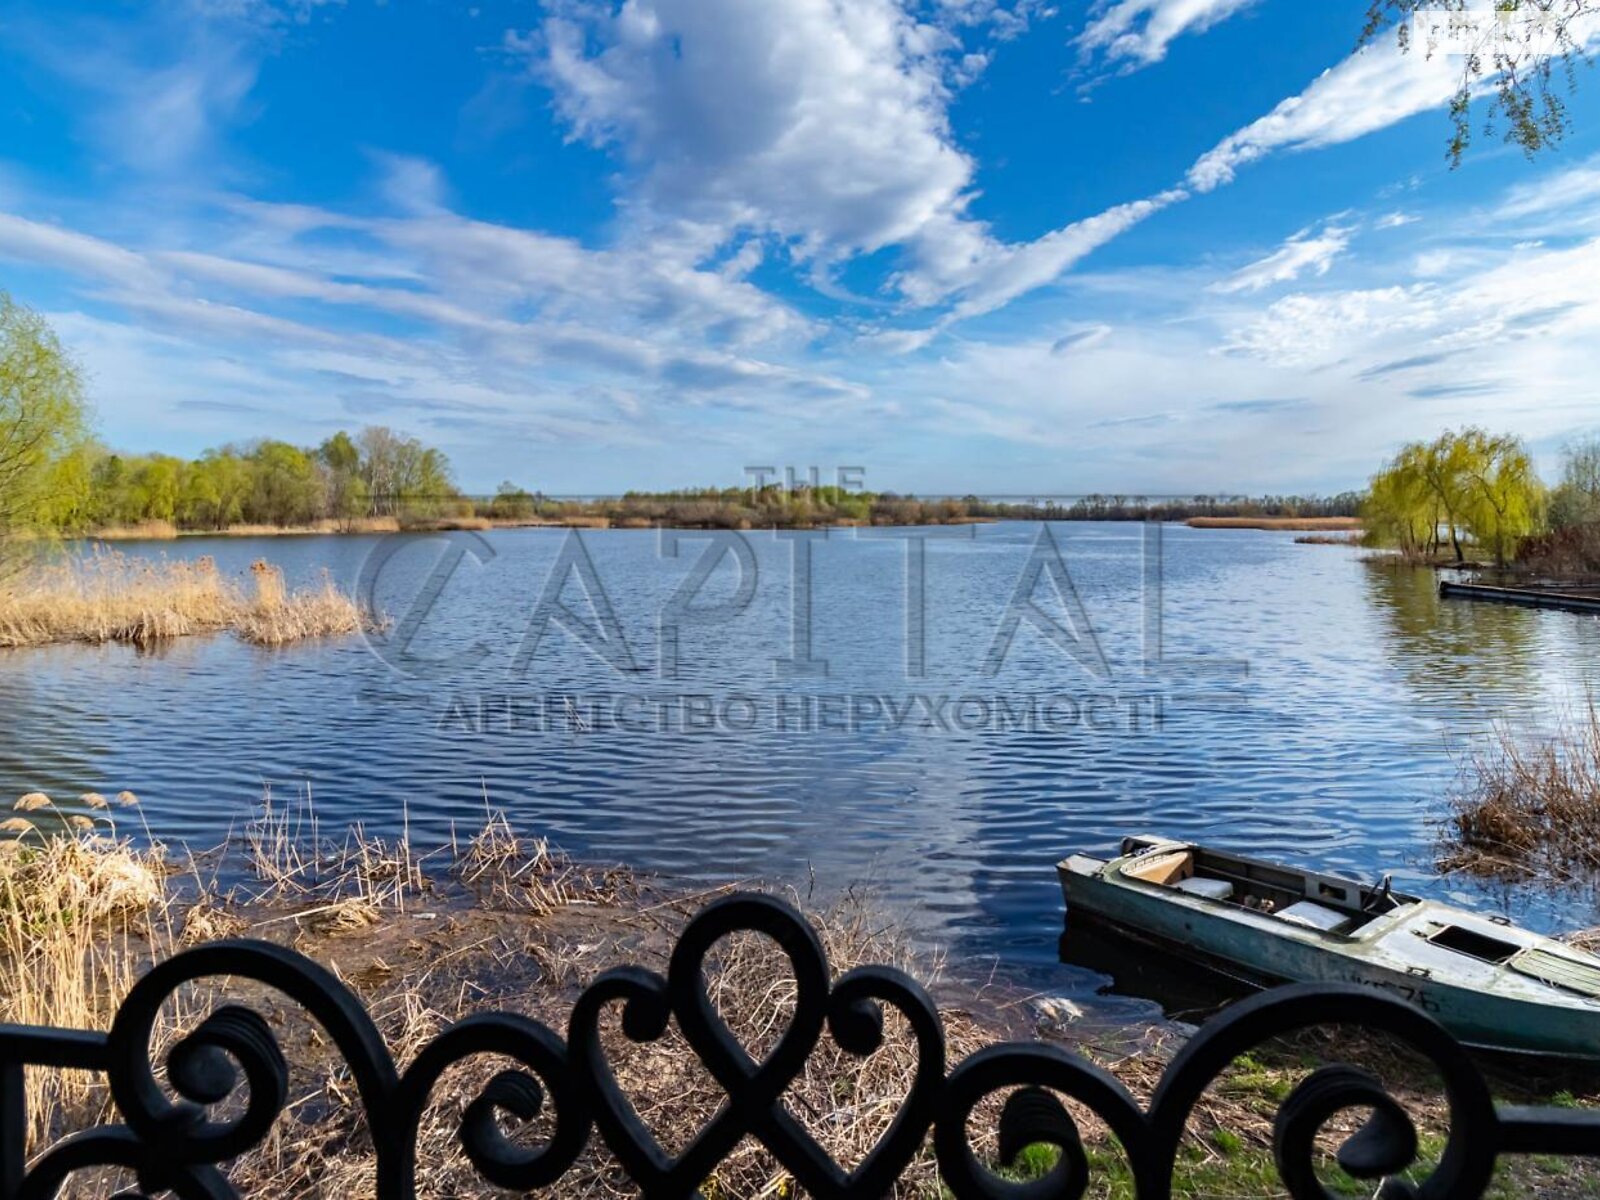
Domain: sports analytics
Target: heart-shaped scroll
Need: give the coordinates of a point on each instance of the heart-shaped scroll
(754, 1106)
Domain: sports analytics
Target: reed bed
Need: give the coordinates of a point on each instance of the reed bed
(353, 525)
(80, 916)
(143, 531)
(1530, 805)
(111, 597)
(279, 617)
(1337, 524)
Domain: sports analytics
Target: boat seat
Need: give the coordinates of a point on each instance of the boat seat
(1211, 889)
(1315, 916)
(1164, 867)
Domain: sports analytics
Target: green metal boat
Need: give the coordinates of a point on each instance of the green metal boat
(1487, 981)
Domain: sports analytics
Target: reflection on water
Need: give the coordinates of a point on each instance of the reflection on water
(1144, 984)
(1308, 707)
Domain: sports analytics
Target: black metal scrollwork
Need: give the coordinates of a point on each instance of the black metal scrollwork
(174, 1143)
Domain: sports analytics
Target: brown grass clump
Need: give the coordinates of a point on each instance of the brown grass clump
(505, 868)
(279, 617)
(323, 527)
(143, 531)
(287, 854)
(76, 917)
(1531, 805)
(110, 597)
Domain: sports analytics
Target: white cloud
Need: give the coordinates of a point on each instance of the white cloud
(1473, 305)
(1371, 90)
(821, 123)
(1395, 220)
(982, 275)
(162, 91)
(1376, 87)
(1301, 254)
(512, 311)
(1138, 32)
(48, 245)
(1575, 188)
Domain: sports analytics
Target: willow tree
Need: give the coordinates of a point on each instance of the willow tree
(1400, 509)
(1466, 485)
(1504, 496)
(42, 426)
(1520, 56)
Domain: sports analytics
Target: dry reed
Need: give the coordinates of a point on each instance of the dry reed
(142, 531)
(1307, 523)
(279, 617)
(79, 918)
(1531, 805)
(111, 597)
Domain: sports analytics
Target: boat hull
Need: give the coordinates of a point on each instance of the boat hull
(1255, 949)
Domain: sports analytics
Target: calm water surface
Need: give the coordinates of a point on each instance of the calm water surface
(1307, 705)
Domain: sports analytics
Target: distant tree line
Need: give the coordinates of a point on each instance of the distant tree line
(374, 473)
(806, 506)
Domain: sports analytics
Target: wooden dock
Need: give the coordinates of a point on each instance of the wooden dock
(1568, 597)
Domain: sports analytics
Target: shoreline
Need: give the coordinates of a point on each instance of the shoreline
(161, 532)
(505, 923)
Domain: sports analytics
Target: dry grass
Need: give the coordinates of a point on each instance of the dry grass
(1531, 805)
(144, 531)
(290, 860)
(501, 866)
(847, 1103)
(446, 524)
(1306, 523)
(1324, 539)
(279, 617)
(354, 525)
(110, 597)
(82, 916)
(79, 916)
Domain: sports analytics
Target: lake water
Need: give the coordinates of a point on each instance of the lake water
(1290, 701)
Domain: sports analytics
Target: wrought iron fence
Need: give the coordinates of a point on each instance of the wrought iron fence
(172, 1140)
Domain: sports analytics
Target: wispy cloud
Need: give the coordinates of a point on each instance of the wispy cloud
(1371, 90)
(1302, 254)
(1136, 33)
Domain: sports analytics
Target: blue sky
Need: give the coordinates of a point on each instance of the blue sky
(990, 245)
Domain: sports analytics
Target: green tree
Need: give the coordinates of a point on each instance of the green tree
(285, 489)
(215, 490)
(1504, 496)
(1400, 508)
(156, 487)
(1467, 485)
(347, 494)
(43, 419)
(512, 503)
